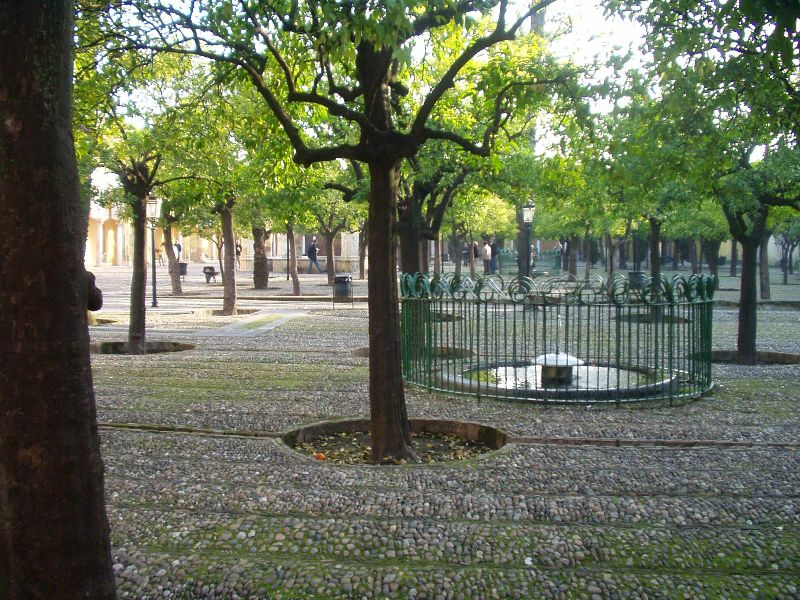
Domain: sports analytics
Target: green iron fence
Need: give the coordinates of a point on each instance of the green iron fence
(559, 340)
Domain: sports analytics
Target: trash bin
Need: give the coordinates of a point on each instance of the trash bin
(343, 287)
(182, 267)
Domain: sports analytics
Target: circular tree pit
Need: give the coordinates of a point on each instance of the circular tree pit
(435, 441)
(762, 358)
(150, 347)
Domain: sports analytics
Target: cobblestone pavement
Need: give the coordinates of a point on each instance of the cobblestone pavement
(198, 511)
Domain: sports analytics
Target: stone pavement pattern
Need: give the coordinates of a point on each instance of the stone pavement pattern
(200, 513)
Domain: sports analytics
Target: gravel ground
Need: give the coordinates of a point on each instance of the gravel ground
(203, 515)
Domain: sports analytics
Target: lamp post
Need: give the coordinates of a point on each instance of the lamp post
(528, 212)
(153, 212)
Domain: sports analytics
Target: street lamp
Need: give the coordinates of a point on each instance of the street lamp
(528, 213)
(153, 213)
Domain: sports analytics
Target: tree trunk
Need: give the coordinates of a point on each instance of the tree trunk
(409, 227)
(54, 534)
(734, 258)
(655, 245)
(785, 264)
(172, 261)
(572, 255)
(137, 312)
(763, 266)
(260, 263)
(389, 426)
(292, 260)
(330, 264)
(610, 253)
(229, 273)
(675, 254)
(746, 334)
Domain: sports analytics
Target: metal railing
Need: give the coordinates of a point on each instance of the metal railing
(557, 339)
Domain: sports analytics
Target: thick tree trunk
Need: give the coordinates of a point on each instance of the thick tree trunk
(172, 261)
(458, 244)
(655, 245)
(229, 272)
(610, 253)
(746, 334)
(330, 264)
(389, 426)
(437, 255)
(623, 254)
(763, 266)
(734, 258)
(572, 255)
(409, 250)
(137, 312)
(260, 263)
(54, 534)
(292, 260)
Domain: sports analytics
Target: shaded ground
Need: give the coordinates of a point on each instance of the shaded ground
(202, 513)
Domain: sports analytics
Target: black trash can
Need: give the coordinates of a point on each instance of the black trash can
(343, 287)
(182, 267)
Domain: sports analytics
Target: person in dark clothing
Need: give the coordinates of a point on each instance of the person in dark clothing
(493, 261)
(94, 297)
(312, 256)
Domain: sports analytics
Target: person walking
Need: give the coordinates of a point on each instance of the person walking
(487, 258)
(312, 256)
(238, 255)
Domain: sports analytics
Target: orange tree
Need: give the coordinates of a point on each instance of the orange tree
(350, 64)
